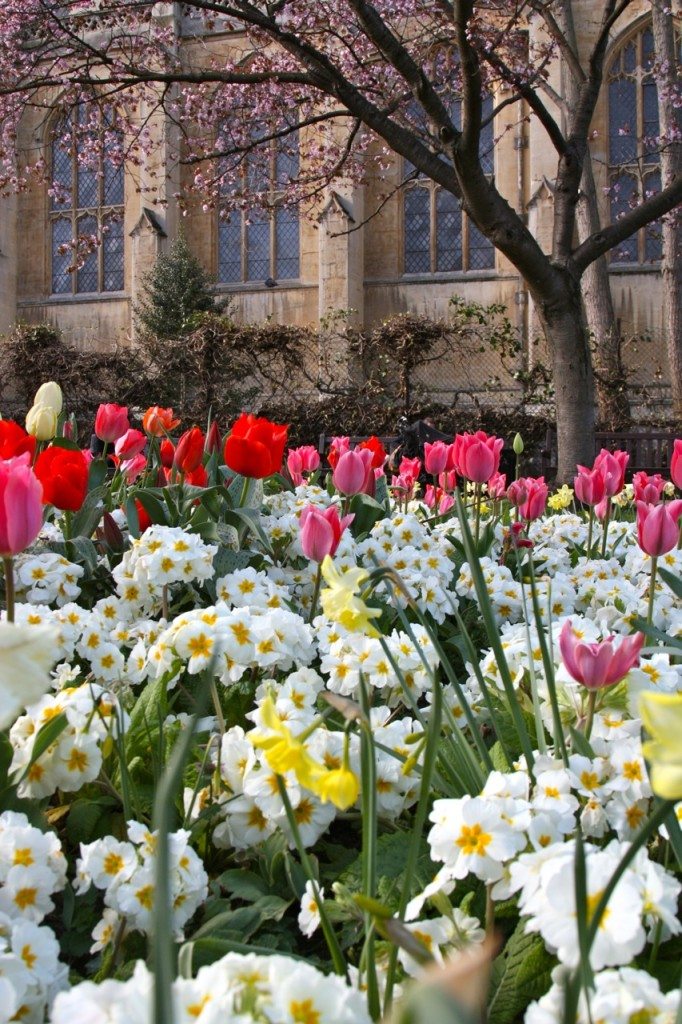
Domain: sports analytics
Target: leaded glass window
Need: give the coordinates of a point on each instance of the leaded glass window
(634, 162)
(263, 242)
(437, 236)
(86, 205)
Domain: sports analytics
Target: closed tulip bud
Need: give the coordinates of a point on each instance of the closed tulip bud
(658, 527)
(518, 445)
(589, 486)
(435, 457)
(111, 421)
(321, 531)
(351, 472)
(111, 533)
(166, 453)
(213, 441)
(50, 394)
(21, 505)
(189, 451)
(41, 422)
(676, 464)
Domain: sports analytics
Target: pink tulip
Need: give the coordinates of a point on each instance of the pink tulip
(497, 486)
(477, 456)
(602, 508)
(404, 484)
(132, 468)
(648, 489)
(437, 499)
(536, 500)
(517, 492)
(445, 504)
(431, 495)
(321, 530)
(436, 457)
(295, 466)
(612, 466)
(130, 444)
(589, 486)
(310, 457)
(658, 527)
(353, 471)
(448, 480)
(410, 468)
(21, 505)
(339, 446)
(676, 464)
(599, 664)
(111, 421)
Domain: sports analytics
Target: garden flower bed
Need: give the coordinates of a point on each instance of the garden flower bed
(304, 741)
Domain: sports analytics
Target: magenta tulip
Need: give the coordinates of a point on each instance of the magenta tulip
(517, 492)
(676, 464)
(436, 457)
(21, 505)
(658, 527)
(352, 471)
(648, 489)
(477, 456)
(111, 422)
(536, 500)
(410, 469)
(321, 531)
(612, 466)
(599, 664)
(497, 486)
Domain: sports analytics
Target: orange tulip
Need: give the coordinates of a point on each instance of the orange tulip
(158, 422)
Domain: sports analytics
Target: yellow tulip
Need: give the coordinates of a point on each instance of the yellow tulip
(340, 602)
(50, 394)
(662, 717)
(41, 422)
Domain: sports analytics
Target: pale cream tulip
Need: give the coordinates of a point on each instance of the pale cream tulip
(50, 394)
(41, 422)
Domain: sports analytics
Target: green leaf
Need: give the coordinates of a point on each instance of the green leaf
(211, 948)
(86, 519)
(89, 819)
(498, 757)
(132, 518)
(367, 512)
(47, 735)
(153, 507)
(428, 1004)
(581, 744)
(245, 885)
(226, 560)
(97, 474)
(673, 581)
(523, 973)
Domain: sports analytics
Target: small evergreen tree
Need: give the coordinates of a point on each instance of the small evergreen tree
(176, 288)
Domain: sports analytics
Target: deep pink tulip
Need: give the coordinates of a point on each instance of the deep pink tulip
(436, 457)
(305, 459)
(517, 492)
(536, 501)
(410, 468)
(353, 471)
(676, 464)
(21, 505)
(477, 456)
(130, 444)
(321, 530)
(599, 664)
(295, 467)
(589, 486)
(111, 421)
(612, 466)
(658, 527)
(648, 489)
(497, 486)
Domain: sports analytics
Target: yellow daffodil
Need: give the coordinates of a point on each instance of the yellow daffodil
(283, 751)
(340, 600)
(339, 786)
(662, 717)
(562, 498)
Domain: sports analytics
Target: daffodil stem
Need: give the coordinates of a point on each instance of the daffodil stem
(369, 843)
(591, 704)
(316, 592)
(330, 937)
(652, 590)
(8, 566)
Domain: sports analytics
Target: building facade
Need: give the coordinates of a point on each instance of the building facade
(413, 255)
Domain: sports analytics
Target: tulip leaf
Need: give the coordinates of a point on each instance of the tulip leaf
(97, 474)
(581, 744)
(673, 581)
(132, 518)
(656, 634)
(47, 735)
(153, 507)
(367, 512)
(65, 442)
(86, 519)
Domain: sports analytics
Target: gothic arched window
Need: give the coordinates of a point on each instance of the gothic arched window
(633, 144)
(437, 236)
(262, 242)
(86, 205)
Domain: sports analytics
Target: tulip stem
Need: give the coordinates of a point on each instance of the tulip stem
(245, 492)
(591, 704)
(652, 590)
(589, 532)
(218, 709)
(478, 512)
(7, 563)
(66, 527)
(607, 519)
(316, 592)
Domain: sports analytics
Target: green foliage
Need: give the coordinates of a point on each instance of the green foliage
(521, 973)
(176, 289)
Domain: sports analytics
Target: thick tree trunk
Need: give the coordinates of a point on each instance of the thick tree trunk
(671, 165)
(567, 337)
(610, 379)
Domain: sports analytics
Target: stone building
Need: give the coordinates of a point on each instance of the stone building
(415, 254)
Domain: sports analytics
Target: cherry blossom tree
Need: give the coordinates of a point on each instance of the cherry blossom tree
(353, 81)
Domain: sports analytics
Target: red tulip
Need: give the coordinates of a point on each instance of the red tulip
(214, 441)
(374, 445)
(189, 451)
(658, 527)
(410, 469)
(676, 464)
(21, 505)
(321, 531)
(14, 440)
(167, 452)
(339, 446)
(143, 517)
(111, 421)
(600, 664)
(255, 447)
(63, 473)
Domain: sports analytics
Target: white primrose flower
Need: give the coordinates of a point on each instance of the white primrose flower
(309, 914)
(471, 835)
